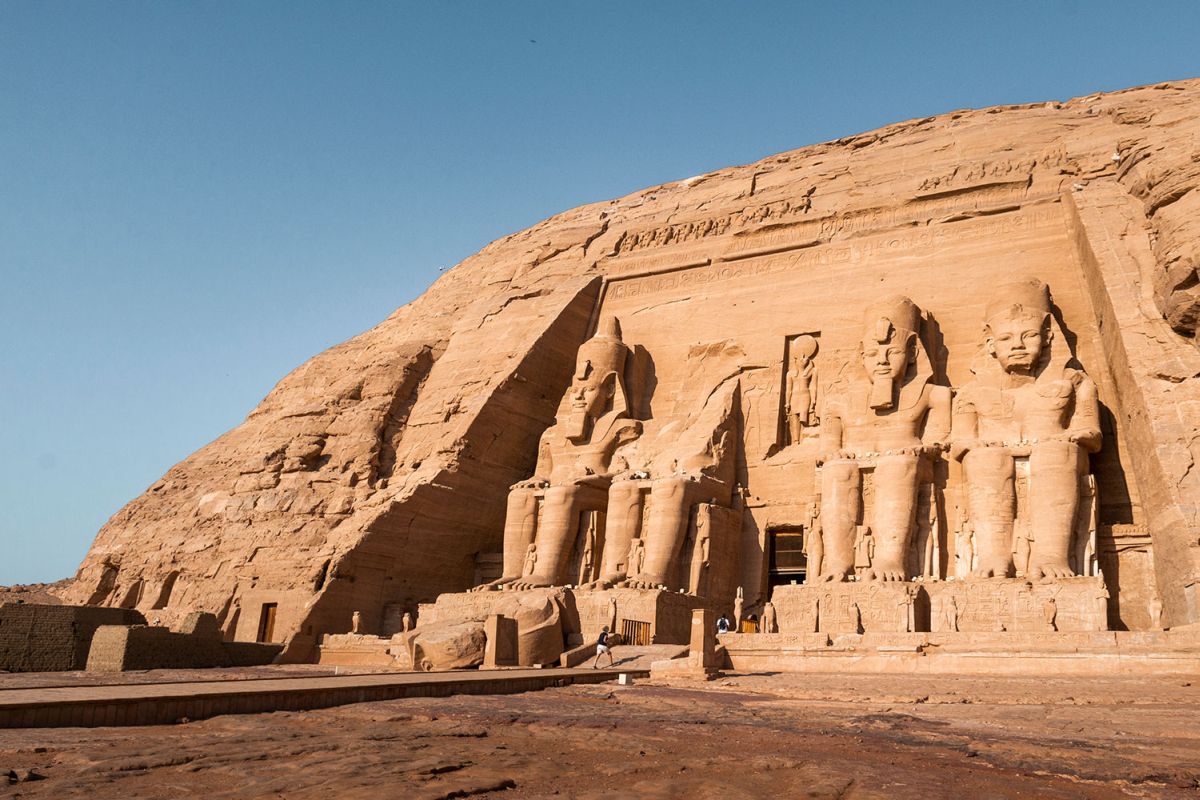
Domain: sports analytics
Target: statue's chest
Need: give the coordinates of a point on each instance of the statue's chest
(862, 417)
(1035, 403)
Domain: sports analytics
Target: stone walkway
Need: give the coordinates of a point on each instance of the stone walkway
(164, 703)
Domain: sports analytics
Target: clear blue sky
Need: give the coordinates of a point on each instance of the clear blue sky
(197, 197)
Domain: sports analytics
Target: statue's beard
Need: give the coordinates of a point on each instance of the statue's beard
(882, 392)
(579, 426)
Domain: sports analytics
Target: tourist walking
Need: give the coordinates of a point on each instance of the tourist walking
(602, 648)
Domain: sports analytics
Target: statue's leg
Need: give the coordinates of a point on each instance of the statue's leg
(1053, 501)
(520, 523)
(894, 515)
(993, 507)
(556, 532)
(841, 506)
(621, 524)
(666, 528)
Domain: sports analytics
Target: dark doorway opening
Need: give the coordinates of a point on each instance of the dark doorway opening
(266, 622)
(787, 562)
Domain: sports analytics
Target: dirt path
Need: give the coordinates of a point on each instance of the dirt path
(854, 738)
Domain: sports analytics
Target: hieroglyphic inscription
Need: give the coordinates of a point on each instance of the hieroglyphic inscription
(682, 277)
(858, 607)
(1079, 604)
(680, 232)
(1000, 168)
(784, 220)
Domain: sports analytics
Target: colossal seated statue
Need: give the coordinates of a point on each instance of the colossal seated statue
(573, 469)
(1026, 407)
(887, 422)
(694, 464)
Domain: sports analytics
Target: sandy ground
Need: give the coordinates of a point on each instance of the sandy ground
(748, 736)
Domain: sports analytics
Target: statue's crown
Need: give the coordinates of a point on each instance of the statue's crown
(609, 328)
(1029, 296)
(897, 311)
(605, 350)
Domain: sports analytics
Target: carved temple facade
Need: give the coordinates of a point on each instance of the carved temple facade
(943, 399)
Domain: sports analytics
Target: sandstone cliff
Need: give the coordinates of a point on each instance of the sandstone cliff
(374, 476)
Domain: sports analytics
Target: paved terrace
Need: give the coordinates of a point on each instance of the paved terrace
(168, 702)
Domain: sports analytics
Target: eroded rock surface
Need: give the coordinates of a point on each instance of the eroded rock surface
(376, 476)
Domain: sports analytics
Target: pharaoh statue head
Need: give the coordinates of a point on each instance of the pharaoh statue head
(598, 386)
(889, 347)
(1017, 329)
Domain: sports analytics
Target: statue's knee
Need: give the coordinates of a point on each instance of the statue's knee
(988, 460)
(897, 468)
(1057, 456)
(557, 496)
(521, 499)
(623, 493)
(840, 473)
(668, 488)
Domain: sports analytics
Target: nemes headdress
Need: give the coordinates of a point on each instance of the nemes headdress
(893, 314)
(894, 319)
(605, 351)
(1027, 297)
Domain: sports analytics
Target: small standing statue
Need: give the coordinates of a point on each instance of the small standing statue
(801, 407)
(355, 622)
(770, 624)
(637, 556)
(612, 613)
(738, 607)
(950, 612)
(814, 551)
(588, 560)
(1101, 612)
(530, 560)
(904, 613)
(864, 550)
(1155, 607)
(964, 549)
(855, 617)
(406, 622)
(1050, 614)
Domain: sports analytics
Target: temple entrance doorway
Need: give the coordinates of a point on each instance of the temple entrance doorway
(266, 622)
(786, 560)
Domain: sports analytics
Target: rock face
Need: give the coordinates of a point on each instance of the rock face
(378, 474)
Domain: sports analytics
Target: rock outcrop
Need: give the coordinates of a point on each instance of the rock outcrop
(375, 476)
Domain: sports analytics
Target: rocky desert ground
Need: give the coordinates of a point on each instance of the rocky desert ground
(742, 736)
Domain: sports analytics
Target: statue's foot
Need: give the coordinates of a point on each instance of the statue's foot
(494, 586)
(836, 576)
(605, 582)
(887, 575)
(990, 571)
(644, 582)
(1051, 571)
(532, 582)
(596, 585)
